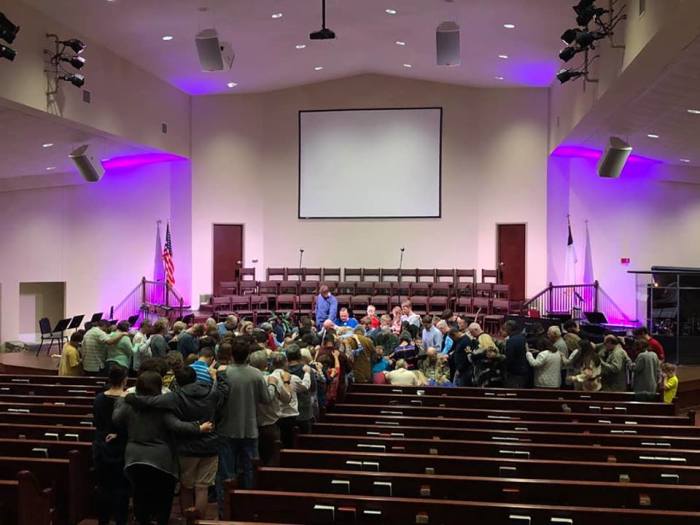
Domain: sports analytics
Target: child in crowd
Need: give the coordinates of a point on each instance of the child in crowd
(71, 363)
(669, 382)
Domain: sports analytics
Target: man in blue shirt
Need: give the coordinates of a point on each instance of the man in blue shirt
(431, 336)
(326, 307)
(346, 320)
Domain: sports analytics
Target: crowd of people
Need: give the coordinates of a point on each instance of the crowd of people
(211, 397)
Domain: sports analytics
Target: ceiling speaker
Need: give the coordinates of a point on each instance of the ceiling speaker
(447, 40)
(89, 168)
(214, 55)
(613, 160)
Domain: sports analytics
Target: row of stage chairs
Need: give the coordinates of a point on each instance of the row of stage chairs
(373, 274)
(371, 288)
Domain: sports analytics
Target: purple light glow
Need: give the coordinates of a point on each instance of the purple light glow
(133, 161)
(530, 73)
(590, 153)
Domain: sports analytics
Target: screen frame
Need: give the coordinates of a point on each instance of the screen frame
(439, 214)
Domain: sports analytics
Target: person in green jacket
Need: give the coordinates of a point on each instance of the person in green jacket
(614, 364)
(122, 352)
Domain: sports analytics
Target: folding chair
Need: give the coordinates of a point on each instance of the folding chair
(352, 274)
(371, 274)
(276, 274)
(312, 274)
(294, 274)
(499, 309)
(330, 274)
(47, 334)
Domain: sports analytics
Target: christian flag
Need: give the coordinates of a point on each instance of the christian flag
(168, 258)
(571, 259)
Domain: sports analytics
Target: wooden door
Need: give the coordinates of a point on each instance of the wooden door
(227, 253)
(511, 258)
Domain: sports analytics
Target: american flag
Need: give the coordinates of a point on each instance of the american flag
(168, 258)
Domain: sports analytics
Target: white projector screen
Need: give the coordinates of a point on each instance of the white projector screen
(370, 163)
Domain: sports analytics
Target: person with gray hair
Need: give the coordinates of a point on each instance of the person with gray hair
(290, 410)
(554, 335)
(268, 415)
(228, 327)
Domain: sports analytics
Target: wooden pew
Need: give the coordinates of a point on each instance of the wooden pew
(530, 436)
(602, 425)
(46, 448)
(73, 399)
(539, 393)
(492, 467)
(506, 403)
(53, 379)
(478, 413)
(66, 478)
(49, 389)
(58, 433)
(23, 502)
(329, 508)
(452, 447)
(47, 408)
(50, 420)
(391, 484)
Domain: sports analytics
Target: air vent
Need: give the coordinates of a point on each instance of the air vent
(164, 127)
(87, 96)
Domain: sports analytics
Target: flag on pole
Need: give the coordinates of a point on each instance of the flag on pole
(158, 268)
(588, 260)
(168, 258)
(571, 259)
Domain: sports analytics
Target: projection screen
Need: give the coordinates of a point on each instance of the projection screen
(370, 163)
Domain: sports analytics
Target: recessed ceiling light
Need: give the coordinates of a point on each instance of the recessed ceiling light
(498, 78)
(685, 160)
(408, 65)
(167, 38)
(390, 11)
(653, 136)
(400, 43)
(276, 15)
(300, 46)
(47, 145)
(694, 111)
(503, 56)
(318, 68)
(509, 26)
(50, 168)
(232, 84)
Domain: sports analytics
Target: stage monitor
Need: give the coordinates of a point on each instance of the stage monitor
(370, 163)
(595, 317)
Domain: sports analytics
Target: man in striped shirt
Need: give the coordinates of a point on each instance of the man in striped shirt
(201, 365)
(94, 349)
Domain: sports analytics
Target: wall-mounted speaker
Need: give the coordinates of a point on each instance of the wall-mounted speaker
(447, 40)
(613, 160)
(214, 55)
(89, 168)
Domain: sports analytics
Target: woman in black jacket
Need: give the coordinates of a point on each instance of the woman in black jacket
(150, 461)
(192, 400)
(108, 453)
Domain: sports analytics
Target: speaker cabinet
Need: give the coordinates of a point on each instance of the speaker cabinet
(613, 160)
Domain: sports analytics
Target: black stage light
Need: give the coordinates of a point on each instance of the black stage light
(7, 52)
(76, 45)
(585, 16)
(8, 30)
(77, 62)
(568, 53)
(568, 74)
(75, 79)
(569, 36)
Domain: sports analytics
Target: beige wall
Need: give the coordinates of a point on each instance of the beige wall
(245, 154)
(126, 101)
